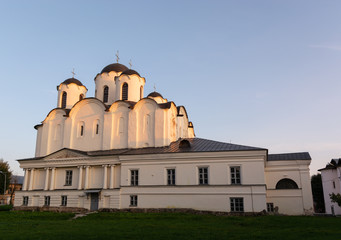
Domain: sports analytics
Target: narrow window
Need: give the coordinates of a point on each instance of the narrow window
(125, 91)
(82, 130)
(64, 201)
(235, 175)
(270, 207)
(105, 94)
(237, 204)
(64, 100)
(334, 184)
(68, 178)
(81, 97)
(203, 176)
(97, 128)
(133, 200)
(134, 177)
(25, 201)
(141, 92)
(170, 176)
(47, 201)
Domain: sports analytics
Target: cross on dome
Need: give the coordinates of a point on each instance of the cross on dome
(117, 56)
(73, 73)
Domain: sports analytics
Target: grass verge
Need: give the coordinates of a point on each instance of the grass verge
(46, 225)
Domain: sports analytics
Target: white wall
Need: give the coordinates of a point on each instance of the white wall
(328, 177)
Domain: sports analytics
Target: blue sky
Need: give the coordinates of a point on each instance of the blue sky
(258, 73)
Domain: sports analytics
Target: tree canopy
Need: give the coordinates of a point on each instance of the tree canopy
(5, 169)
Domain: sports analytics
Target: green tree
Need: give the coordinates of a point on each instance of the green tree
(336, 198)
(317, 190)
(4, 168)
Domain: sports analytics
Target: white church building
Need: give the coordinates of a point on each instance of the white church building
(122, 149)
(331, 183)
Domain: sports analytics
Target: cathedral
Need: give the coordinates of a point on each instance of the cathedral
(121, 149)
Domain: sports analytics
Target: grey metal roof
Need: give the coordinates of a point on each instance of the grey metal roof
(289, 156)
(195, 145)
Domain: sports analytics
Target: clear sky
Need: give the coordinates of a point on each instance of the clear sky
(257, 73)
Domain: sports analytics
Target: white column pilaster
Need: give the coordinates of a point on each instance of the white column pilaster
(80, 178)
(53, 177)
(47, 175)
(105, 177)
(112, 180)
(25, 180)
(87, 169)
(31, 179)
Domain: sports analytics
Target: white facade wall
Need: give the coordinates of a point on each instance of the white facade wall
(331, 184)
(112, 179)
(144, 125)
(289, 201)
(73, 92)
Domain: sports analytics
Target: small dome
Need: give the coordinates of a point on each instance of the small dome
(154, 94)
(116, 67)
(72, 80)
(130, 72)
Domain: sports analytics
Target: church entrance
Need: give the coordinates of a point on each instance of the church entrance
(94, 202)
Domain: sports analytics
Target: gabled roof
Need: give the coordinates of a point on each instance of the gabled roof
(334, 163)
(289, 156)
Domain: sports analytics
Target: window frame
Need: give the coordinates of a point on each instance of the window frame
(63, 201)
(47, 200)
(25, 201)
(171, 176)
(105, 94)
(125, 91)
(68, 177)
(270, 207)
(203, 176)
(237, 204)
(64, 100)
(134, 177)
(133, 201)
(235, 173)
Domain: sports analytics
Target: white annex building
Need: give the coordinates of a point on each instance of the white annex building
(331, 182)
(123, 149)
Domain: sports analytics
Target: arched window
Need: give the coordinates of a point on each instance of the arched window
(64, 100)
(125, 91)
(141, 92)
(81, 129)
(96, 127)
(286, 183)
(81, 97)
(105, 94)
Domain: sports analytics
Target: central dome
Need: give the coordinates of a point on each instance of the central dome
(116, 67)
(73, 80)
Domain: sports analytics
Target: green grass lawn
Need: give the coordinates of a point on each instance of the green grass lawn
(46, 225)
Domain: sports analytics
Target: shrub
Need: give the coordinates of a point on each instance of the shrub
(6, 207)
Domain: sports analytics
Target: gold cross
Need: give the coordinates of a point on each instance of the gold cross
(130, 64)
(73, 73)
(117, 57)
(154, 88)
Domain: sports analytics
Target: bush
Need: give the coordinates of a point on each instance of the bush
(6, 207)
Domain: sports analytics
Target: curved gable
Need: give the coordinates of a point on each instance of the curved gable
(56, 113)
(87, 106)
